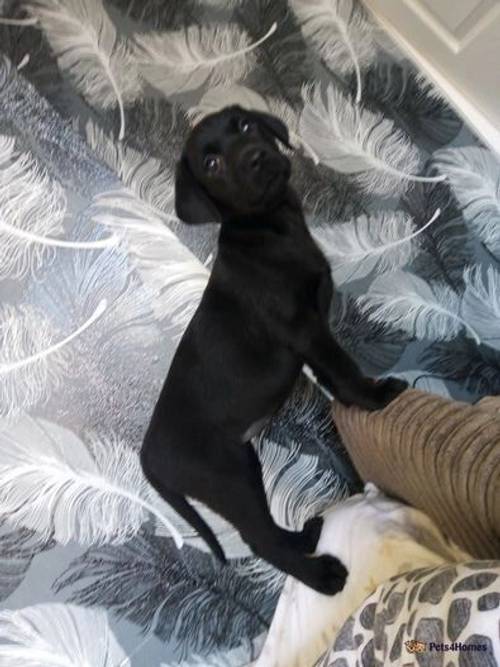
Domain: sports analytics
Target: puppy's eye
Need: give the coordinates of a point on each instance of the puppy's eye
(244, 125)
(212, 164)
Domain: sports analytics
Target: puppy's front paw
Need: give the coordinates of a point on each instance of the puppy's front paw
(387, 390)
(310, 534)
(390, 388)
(329, 575)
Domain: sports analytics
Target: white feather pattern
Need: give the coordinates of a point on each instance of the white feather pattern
(62, 635)
(8, 367)
(340, 32)
(91, 493)
(474, 175)
(175, 276)
(382, 242)
(358, 142)
(32, 363)
(295, 488)
(25, 331)
(405, 301)
(28, 199)
(481, 303)
(182, 60)
(89, 51)
(145, 176)
(32, 207)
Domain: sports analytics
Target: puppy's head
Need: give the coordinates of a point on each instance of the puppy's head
(231, 166)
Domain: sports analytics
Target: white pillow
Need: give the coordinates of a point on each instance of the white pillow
(376, 538)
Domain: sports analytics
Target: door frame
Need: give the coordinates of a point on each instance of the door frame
(485, 129)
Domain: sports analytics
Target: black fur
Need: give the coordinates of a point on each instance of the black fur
(264, 314)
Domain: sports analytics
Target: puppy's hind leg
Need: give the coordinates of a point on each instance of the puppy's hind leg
(241, 499)
(179, 503)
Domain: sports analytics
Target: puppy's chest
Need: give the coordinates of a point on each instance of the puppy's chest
(286, 283)
(279, 273)
(298, 261)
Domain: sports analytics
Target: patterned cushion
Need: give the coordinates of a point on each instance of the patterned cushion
(447, 615)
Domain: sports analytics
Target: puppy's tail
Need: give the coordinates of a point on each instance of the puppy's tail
(189, 514)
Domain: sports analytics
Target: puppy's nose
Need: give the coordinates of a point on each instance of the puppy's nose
(256, 159)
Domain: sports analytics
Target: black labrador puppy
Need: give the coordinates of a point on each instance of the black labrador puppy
(263, 315)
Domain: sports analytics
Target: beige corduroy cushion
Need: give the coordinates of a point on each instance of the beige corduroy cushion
(439, 455)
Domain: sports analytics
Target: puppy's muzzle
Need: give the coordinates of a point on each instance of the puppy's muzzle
(260, 159)
(257, 159)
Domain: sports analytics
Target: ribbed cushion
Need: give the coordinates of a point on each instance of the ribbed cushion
(439, 455)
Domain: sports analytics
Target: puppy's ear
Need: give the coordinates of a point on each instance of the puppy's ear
(192, 203)
(273, 125)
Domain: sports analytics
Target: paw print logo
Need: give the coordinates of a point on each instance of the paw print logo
(414, 646)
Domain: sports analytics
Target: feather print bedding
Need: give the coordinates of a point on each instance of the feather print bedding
(98, 280)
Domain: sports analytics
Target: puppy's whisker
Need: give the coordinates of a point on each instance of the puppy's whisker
(25, 60)
(4, 20)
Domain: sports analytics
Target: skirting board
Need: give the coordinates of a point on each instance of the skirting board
(471, 114)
